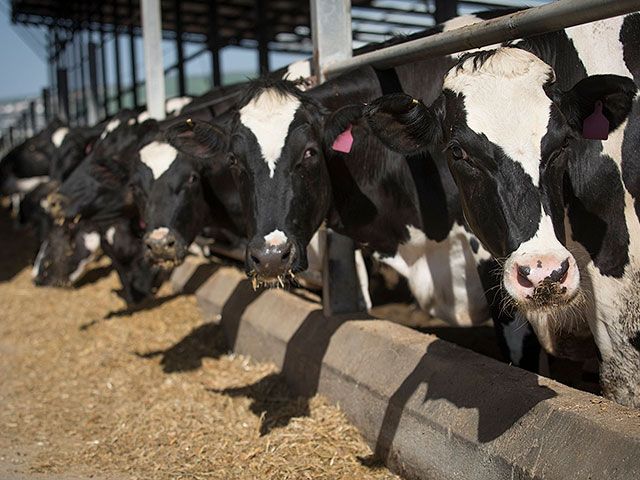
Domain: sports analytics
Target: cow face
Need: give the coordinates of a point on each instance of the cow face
(278, 165)
(169, 192)
(97, 188)
(276, 158)
(65, 254)
(508, 133)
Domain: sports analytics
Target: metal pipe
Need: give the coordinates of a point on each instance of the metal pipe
(154, 74)
(213, 42)
(545, 18)
(263, 36)
(132, 50)
(92, 113)
(330, 32)
(182, 84)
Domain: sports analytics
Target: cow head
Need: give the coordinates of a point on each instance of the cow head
(97, 188)
(65, 254)
(508, 132)
(275, 155)
(169, 188)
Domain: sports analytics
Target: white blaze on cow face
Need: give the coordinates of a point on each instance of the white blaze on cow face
(158, 156)
(110, 235)
(111, 126)
(268, 116)
(143, 116)
(159, 233)
(58, 136)
(91, 242)
(275, 238)
(175, 105)
(505, 101)
(35, 271)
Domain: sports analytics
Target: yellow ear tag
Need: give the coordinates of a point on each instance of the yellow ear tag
(190, 123)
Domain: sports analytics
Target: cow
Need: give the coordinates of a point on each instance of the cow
(541, 137)
(180, 196)
(71, 247)
(293, 176)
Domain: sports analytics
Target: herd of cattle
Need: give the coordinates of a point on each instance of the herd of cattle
(502, 183)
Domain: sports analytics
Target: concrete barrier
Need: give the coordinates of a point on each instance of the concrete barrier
(428, 408)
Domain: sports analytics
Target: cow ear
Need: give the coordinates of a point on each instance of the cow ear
(403, 123)
(611, 94)
(196, 138)
(339, 124)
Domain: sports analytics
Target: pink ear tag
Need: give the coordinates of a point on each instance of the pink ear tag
(596, 125)
(343, 141)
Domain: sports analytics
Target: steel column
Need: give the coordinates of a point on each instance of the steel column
(213, 42)
(45, 105)
(330, 32)
(92, 110)
(63, 94)
(83, 85)
(182, 88)
(154, 70)
(445, 9)
(263, 35)
(132, 48)
(103, 68)
(32, 116)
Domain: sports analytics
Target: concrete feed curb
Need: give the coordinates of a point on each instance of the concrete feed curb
(429, 408)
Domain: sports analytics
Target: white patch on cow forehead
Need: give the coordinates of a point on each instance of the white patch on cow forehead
(35, 271)
(175, 105)
(58, 136)
(297, 70)
(268, 116)
(158, 156)
(143, 116)
(91, 241)
(110, 235)
(607, 58)
(275, 238)
(111, 126)
(505, 101)
(159, 233)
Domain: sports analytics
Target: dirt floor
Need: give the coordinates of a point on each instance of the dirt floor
(91, 390)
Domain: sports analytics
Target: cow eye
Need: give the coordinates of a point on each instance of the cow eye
(565, 143)
(309, 152)
(193, 178)
(458, 152)
(232, 160)
(32, 148)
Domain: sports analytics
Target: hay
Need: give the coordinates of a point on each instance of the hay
(89, 388)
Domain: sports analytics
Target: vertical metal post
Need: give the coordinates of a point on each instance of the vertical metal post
(63, 94)
(263, 35)
(83, 85)
(32, 116)
(445, 10)
(214, 43)
(103, 68)
(132, 50)
(92, 104)
(330, 32)
(11, 136)
(154, 69)
(77, 75)
(182, 89)
(45, 105)
(116, 61)
(24, 124)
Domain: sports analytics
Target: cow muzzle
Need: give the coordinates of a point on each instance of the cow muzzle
(542, 281)
(270, 263)
(163, 248)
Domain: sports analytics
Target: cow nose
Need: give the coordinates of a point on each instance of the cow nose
(270, 260)
(544, 280)
(55, 205)
(161, 244)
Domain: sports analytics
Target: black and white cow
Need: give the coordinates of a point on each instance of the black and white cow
(180, 196)
(293, 176)
(557, 209)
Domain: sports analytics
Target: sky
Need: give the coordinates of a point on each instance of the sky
(27, 74)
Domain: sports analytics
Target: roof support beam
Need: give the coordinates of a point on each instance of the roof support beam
(154, 70)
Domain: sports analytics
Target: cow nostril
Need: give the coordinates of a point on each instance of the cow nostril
(286, 255)
(255, 260)
(171, 242)
(523, 272)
